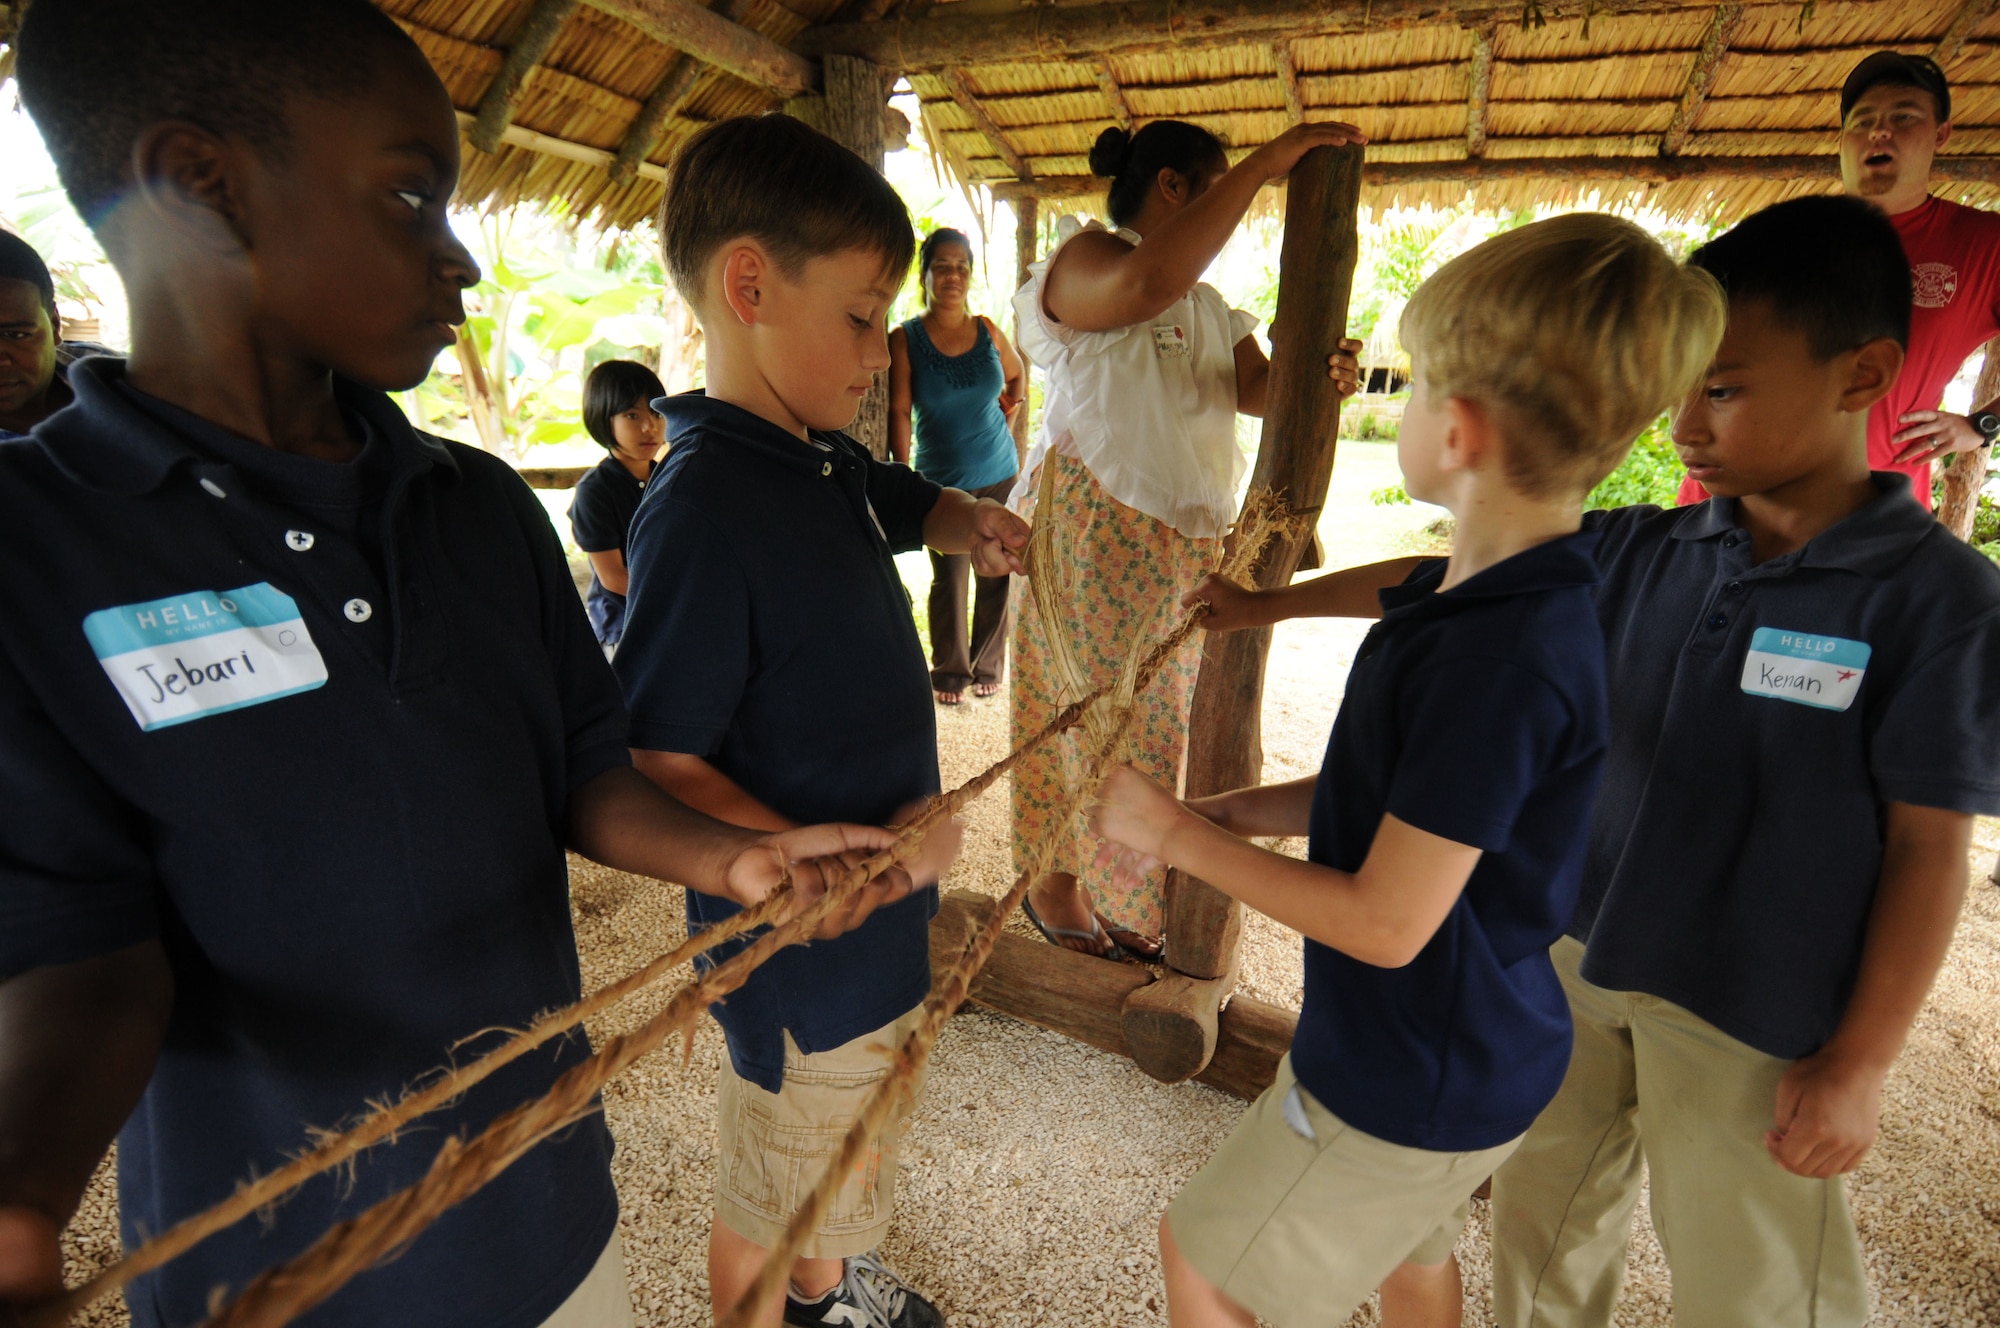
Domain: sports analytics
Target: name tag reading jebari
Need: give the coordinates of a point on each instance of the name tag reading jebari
(1821, 671)
(208, 651)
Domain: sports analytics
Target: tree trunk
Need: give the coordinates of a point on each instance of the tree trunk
(479, 401)
(1295, 460)
(1966, 475)
(851, 113)
(1027, 226)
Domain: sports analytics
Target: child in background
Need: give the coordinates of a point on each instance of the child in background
(298, 709)
(1447, 821)
(618, 412)
(773, 667)
(1805, 697)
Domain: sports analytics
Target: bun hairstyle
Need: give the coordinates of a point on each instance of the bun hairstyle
(1133, 161)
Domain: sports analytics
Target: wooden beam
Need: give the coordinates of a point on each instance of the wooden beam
(1479, 92)
(1288, 79)
(1952, 43)
(1962, 168)
(551, 146)
(1121, 110)
(1085, 998)
(947, 40)
(668, 96)
(1295, 460)
(1965, 477)
(954, 81)
(537, 34)
(714, 40)
(554, 477)
(1715, 41)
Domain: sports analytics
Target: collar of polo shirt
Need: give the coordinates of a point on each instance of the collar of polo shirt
(686, 411)
(1556, 564)
(140, 456)
(1871, 540)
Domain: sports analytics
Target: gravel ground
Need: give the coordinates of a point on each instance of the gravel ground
(1036, 1168)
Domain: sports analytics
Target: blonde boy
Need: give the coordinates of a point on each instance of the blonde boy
(1447, 822)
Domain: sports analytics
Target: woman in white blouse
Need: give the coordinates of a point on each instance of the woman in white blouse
(1133, 478)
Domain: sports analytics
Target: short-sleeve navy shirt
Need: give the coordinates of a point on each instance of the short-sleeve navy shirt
(332, 781)
(1476, 714)
(1763, 716)
(769, 633)
(600, 516)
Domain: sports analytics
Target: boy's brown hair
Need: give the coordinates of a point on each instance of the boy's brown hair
(1577, 331)
(776, 180)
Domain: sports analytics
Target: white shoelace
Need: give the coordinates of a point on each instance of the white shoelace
(877, 1290)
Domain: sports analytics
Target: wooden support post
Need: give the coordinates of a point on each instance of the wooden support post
(1295, 460)
(1288, 79)
(537, 34)
(1479, 91)
(1965, 477)
(1722, 27)
(1121, 110)
(1027, 228)
(1084, 998)
(851, 113)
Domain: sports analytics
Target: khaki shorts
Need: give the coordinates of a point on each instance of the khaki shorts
(603, 1300)
(1301, 1229)
(774, 1147)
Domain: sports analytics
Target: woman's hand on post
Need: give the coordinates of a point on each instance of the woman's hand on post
(1231, 608)
(998, 541)
(1344, 367)
(1274, 161)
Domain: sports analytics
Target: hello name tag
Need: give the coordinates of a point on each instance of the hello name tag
(1820, 671)
(205, 653)
(1169, 340)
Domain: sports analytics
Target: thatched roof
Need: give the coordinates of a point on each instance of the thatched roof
(1691, 106)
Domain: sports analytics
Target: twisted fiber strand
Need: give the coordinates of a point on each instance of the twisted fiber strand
(386, 1122)
(350, 1247)
(281, 1294)
(1264, 519)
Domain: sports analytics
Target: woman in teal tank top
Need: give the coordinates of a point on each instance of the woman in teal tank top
(953, 383)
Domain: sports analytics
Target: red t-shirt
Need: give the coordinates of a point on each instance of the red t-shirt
(1955, 269)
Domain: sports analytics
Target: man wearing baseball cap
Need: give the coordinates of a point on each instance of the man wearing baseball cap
(1895, 113)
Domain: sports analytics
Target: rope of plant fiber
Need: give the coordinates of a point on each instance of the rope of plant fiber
(461, 1168)
(1262, 522)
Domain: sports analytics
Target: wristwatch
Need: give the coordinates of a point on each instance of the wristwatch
(1988, 425)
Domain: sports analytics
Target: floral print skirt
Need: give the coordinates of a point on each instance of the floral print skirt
(1128, 573)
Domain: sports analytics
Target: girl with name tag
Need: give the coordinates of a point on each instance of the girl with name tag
(1135, 474)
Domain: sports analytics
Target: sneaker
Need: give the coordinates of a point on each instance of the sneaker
(869, 1296)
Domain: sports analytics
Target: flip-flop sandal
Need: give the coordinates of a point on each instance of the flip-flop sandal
(1096, 933)
(1145, 954)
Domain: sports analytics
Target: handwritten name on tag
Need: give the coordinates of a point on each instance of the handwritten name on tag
(1820, 671)
(1169, 340)
(204, 653)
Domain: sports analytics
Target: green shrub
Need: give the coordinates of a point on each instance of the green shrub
(1652, 473)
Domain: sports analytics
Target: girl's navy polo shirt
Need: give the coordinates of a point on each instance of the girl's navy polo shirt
(328, 768)
(1476, 714)
(768, 632)
(600, 516)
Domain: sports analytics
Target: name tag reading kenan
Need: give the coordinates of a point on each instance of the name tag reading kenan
(1822, 671)
(205, 652)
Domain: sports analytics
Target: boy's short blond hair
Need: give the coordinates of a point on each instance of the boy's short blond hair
(1577, 331)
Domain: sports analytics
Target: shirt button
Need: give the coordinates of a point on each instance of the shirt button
(826, 468)
(213, 488)
(299, 540)
(1734, 587)
(358, 610)
(1730, 542)
(1718, 621)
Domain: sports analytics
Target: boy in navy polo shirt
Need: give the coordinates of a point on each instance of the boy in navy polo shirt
(1805, 697)
(298, 708)
(773, 669)
(1447, 822)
